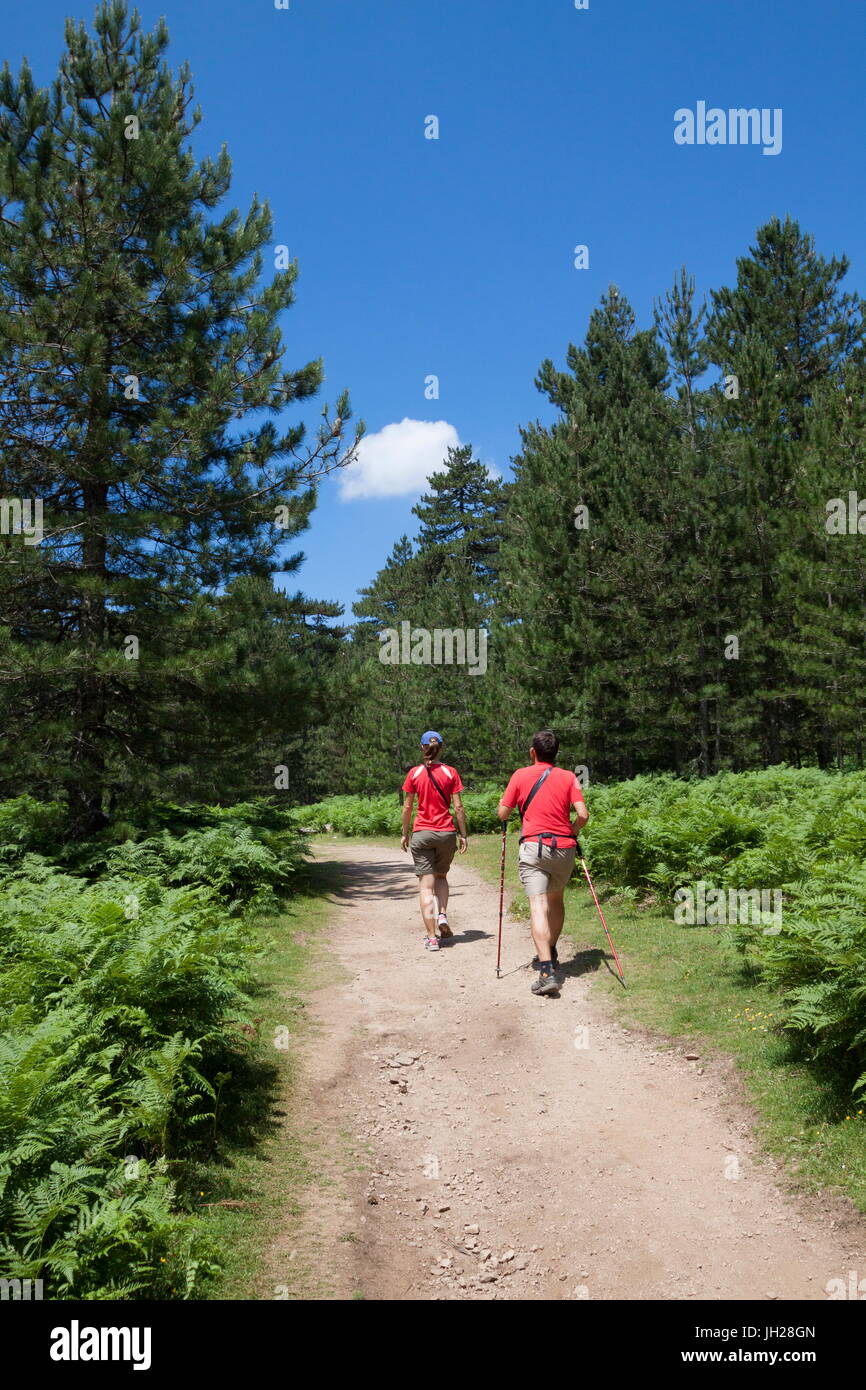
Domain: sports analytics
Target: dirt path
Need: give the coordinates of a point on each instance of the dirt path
(526, 1148)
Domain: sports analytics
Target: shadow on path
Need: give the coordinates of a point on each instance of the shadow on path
(363, 879)
(582, 962)
(460, 938)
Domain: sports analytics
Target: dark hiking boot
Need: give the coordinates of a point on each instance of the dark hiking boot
(546, 983)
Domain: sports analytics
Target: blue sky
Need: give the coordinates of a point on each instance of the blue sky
(455, 256)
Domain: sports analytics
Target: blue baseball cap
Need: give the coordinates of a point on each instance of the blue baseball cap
(429, 737)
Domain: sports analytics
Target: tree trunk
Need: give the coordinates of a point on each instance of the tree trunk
(87, 782)
(703, 720)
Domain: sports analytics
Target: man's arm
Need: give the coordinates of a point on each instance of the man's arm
(505, 806)
(407, 819)
(581, 816)
(461, 822)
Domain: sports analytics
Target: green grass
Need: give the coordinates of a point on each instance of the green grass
(689, 984)
(270, 1176)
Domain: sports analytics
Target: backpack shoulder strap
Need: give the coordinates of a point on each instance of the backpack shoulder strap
(543, 778)
(445, 798)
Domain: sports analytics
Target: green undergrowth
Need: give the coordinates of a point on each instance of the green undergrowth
(134, 1070)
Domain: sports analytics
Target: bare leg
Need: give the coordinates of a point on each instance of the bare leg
(547, 911)
(540, 920)
(555, 914)
(441, 890)
(427, 897)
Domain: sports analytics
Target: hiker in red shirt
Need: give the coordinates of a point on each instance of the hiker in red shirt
(545, 796)
(434, 838)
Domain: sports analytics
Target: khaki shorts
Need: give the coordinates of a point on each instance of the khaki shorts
(433, 850)
(549, 873)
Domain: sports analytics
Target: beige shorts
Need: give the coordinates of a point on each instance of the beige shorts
(433, 850)
(550, 872)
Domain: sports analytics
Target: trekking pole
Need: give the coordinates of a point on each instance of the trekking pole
(501, 891)
(600, 913)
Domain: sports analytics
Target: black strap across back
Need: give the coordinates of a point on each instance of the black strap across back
(533, 789)
(442, 793)
(544, 834)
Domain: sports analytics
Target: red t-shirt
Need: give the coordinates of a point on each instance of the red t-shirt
(551, 803)
(432, 813)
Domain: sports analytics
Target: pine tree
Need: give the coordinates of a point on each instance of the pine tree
(461, 519)
(388, 714)
(269, 695)
(782, 333)
(588, 546)
(703, 579)
(444, 580)
(824, 569)
(135, 341)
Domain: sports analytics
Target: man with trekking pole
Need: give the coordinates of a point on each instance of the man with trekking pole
(545, 796)
(434, 839)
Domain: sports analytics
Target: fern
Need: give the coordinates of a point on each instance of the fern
(116, 1030)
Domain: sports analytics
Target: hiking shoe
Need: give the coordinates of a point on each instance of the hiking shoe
(546, 983)
(432, 943)
(553, 956)
(444, 929)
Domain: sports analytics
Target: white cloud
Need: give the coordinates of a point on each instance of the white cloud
(398, 460)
